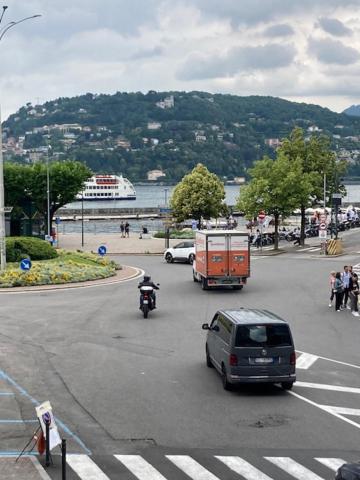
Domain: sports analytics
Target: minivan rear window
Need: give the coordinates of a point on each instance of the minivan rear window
(262, 336)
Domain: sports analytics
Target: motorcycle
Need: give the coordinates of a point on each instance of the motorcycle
(146, 300)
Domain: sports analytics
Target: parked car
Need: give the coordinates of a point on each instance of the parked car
(184, 251)
(250, 346)
(348, 471)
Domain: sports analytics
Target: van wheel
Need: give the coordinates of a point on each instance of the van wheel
(208, 359)
(287, 385)
(194, 277)
(238, 287)
(226, 384)
(204, 283)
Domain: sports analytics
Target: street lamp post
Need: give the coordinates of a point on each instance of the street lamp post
(82, 219)
(3, 31)
(48, 193)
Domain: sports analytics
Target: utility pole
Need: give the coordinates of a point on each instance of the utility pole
(3, 31)
(2, 208)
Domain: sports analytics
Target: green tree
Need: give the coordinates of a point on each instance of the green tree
(28, 183)
(200, 194)
(317, 160)
(276, 187)
(66, 180)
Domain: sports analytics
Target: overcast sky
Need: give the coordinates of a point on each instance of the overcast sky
(301, 50)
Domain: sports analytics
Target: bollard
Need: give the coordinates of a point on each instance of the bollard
(47, 444)
(63, 459)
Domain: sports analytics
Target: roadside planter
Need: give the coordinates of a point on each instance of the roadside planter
(68, 267)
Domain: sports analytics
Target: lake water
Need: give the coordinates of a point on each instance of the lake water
(152, 196)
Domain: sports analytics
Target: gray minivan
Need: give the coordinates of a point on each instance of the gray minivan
(250, 346)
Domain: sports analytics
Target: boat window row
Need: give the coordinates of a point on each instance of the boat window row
(102, 187)
(106, 194)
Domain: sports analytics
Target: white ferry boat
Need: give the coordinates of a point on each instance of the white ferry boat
(107, 187)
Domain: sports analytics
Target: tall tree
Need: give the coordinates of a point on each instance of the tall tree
(276, 187)
(200, 194)
(317, 161)
(29, 183)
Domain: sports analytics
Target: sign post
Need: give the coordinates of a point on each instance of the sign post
(323, 232)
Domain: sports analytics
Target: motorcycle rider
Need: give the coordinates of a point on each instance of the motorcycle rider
(147, 282)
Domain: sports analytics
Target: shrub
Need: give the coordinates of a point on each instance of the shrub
(18, 248)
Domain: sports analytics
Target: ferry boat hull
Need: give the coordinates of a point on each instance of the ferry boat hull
(107, 187)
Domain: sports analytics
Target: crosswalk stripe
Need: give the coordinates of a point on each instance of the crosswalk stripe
(354, 412)
(293, 468)
(139, 467)
(332, 463)
(191, 467)
(244, 468)
(306, 360)
(85, 468)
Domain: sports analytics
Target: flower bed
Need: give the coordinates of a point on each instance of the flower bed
(68, 267)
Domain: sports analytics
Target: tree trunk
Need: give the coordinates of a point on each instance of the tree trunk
(276, 234)
(302, 227)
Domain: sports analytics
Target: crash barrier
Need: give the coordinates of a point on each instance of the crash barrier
(334, 246)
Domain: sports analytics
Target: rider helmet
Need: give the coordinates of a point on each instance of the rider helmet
(147, 278)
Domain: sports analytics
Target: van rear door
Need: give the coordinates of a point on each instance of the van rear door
(266, 349)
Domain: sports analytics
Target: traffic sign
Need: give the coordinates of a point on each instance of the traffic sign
(102, 250)
(323, 234)
(57, 220)
(261, 215)
(322, 226)
(25, 264)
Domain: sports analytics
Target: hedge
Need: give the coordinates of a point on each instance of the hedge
(181, 234)
(18, 248)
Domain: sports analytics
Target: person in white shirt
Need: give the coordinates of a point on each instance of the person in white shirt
(345, 277)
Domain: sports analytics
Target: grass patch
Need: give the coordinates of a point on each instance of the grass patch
(181, 234)
(67, 267)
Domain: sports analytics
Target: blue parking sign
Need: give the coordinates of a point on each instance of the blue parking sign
(25, 264)
(102, 250)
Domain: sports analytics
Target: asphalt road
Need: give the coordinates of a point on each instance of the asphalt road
(125, 385)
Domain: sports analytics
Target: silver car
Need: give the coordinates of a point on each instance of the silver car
(184, 251)
(250, 346)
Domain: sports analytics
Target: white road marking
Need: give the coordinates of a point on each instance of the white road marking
(293, 468)
(299, 250)
(355, 412)
(315, 249)
(192, 468)
(334, 361)
(332, 463)
(323, 386)
(324, 409)
(85, 468)
(306, 360)
(244, 468)
(39, 468)
(140, 467)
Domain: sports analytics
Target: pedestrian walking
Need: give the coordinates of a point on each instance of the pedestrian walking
(127, 229)
(345, 277)
(332, 287)
(354, 294)
(122, 229)
(338, 290)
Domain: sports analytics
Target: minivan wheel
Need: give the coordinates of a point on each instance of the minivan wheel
(287, 385)
(208, 359)
(226, 384)
(169, 258)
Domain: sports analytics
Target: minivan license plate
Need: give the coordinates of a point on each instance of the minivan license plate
(264, 360)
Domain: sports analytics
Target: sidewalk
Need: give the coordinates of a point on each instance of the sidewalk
(114, 243)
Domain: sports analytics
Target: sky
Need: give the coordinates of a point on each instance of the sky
(300, 50)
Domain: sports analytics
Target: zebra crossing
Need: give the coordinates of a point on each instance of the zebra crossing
(185, 467)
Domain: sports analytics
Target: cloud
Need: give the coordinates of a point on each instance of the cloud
(333, 52)
(147, 53)
(237, 59)
(280, 30)
(334, 27)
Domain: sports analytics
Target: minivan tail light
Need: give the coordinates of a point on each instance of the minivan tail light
(233, 360)
(293, 358)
